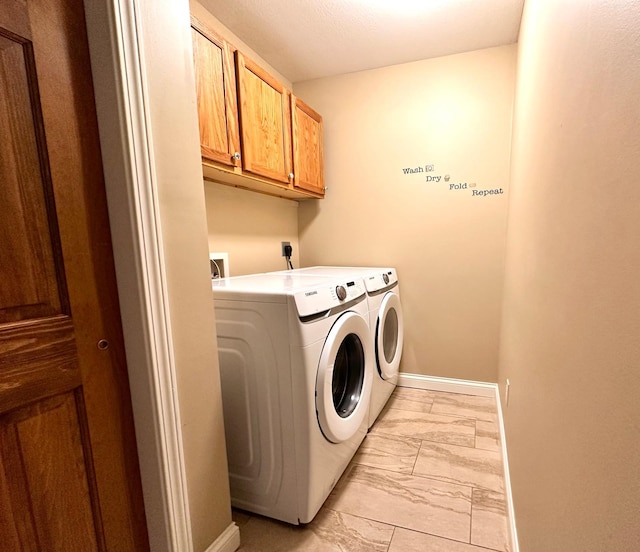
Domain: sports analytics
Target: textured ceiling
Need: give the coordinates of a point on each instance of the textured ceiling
(308, 39)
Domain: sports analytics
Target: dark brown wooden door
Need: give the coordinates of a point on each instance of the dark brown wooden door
(69, 476)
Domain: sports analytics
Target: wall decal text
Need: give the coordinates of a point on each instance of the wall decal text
(483, 193)
(451, 186)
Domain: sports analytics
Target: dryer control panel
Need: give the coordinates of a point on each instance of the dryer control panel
(327, 296)
(381, 280)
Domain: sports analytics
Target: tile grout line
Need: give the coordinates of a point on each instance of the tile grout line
(449, 539)
(431, 440)
(475, 435)
(471, 518)
(391, 540)
(415, 461)
(430, 477)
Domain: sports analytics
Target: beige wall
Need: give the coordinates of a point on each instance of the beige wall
(571, 324)
(455, 113)
(172, 104)
(249, 226)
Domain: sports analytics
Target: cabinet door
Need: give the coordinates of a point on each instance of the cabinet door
(308, 163)
(215, 86)
(265, 122)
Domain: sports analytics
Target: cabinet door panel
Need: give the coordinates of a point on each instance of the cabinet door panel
(265, 122)
(215, 86)
(308, 164)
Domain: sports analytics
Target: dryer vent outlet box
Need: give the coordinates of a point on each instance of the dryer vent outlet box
(219, 263)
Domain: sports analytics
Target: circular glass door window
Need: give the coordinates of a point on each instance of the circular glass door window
(390, 335)
(348, 375)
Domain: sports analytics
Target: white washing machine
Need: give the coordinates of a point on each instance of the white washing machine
(296, 366)
(385, 321)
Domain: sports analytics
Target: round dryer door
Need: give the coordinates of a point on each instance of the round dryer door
(343, 383)
(389, 336)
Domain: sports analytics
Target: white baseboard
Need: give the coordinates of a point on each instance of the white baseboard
(481, 389)
(228, 541)
(449, 385)
(513, 533)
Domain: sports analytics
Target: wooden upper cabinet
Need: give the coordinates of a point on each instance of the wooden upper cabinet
(216, 92)
(254, 133)
(308, 165)
(265, 122)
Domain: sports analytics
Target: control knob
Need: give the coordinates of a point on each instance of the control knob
(341, 293)
(385, 277)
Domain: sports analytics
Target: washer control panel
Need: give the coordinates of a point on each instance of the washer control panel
(325, 297)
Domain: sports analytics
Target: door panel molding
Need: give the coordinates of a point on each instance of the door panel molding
(35, 286)
(131, 186)
(45, 362)
(54, 429)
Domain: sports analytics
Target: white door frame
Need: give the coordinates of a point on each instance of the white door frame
(116, 46)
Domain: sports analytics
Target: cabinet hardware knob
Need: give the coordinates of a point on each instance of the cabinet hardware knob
(325, 188)
(290, 176)
(236, 156)
(103, 344)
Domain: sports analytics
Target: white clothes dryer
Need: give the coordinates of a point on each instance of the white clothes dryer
(385, 321)
(296, 367)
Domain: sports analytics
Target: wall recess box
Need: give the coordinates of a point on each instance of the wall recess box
(219, 265)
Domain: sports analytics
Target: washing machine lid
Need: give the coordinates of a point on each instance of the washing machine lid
(311, 293)
(375, 279)
(272, 283)
(344, 378)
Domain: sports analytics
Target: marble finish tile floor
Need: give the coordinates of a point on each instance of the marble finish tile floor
(427, 477)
